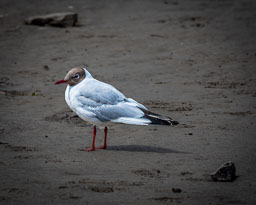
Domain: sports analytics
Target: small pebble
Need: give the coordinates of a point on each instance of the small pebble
(176, 190)
(46, 67)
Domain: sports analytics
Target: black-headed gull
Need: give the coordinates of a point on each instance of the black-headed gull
(102, 105)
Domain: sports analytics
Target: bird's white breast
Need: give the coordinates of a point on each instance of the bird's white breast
(70, 96)
(67, 97)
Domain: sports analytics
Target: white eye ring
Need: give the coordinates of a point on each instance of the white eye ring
(77, 76)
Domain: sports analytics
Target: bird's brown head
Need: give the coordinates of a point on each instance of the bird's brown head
(73, 77)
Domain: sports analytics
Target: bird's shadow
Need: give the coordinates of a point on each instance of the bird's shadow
(142, 148)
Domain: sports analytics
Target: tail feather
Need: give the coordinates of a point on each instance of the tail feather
(158, 119)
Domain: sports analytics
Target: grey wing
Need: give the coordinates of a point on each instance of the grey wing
(107, 103)
(102, 93)
(109, 111)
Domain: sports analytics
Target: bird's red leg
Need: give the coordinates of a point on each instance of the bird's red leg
(105, 139)
(93, 140)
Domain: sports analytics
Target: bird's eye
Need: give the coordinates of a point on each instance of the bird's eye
(77, 76)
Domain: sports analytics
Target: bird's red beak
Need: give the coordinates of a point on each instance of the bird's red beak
(61, 81)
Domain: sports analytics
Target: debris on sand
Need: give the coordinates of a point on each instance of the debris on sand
(225, 173)
(46, 67)
(176, 190)
(54, 19)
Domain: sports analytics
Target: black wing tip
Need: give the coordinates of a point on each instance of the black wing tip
(157, 121)
(163, 122)
(173, 122)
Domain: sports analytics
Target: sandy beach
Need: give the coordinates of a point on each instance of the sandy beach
(194, 61)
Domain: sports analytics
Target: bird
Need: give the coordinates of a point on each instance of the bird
(102, 105)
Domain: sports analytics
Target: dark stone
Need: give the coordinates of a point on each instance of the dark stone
(225, 173)
(54, 19)
(176, 190)
(46, 67)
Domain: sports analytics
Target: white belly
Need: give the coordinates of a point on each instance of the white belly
(91, 120)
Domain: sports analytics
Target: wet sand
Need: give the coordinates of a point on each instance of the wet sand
(191, 60)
